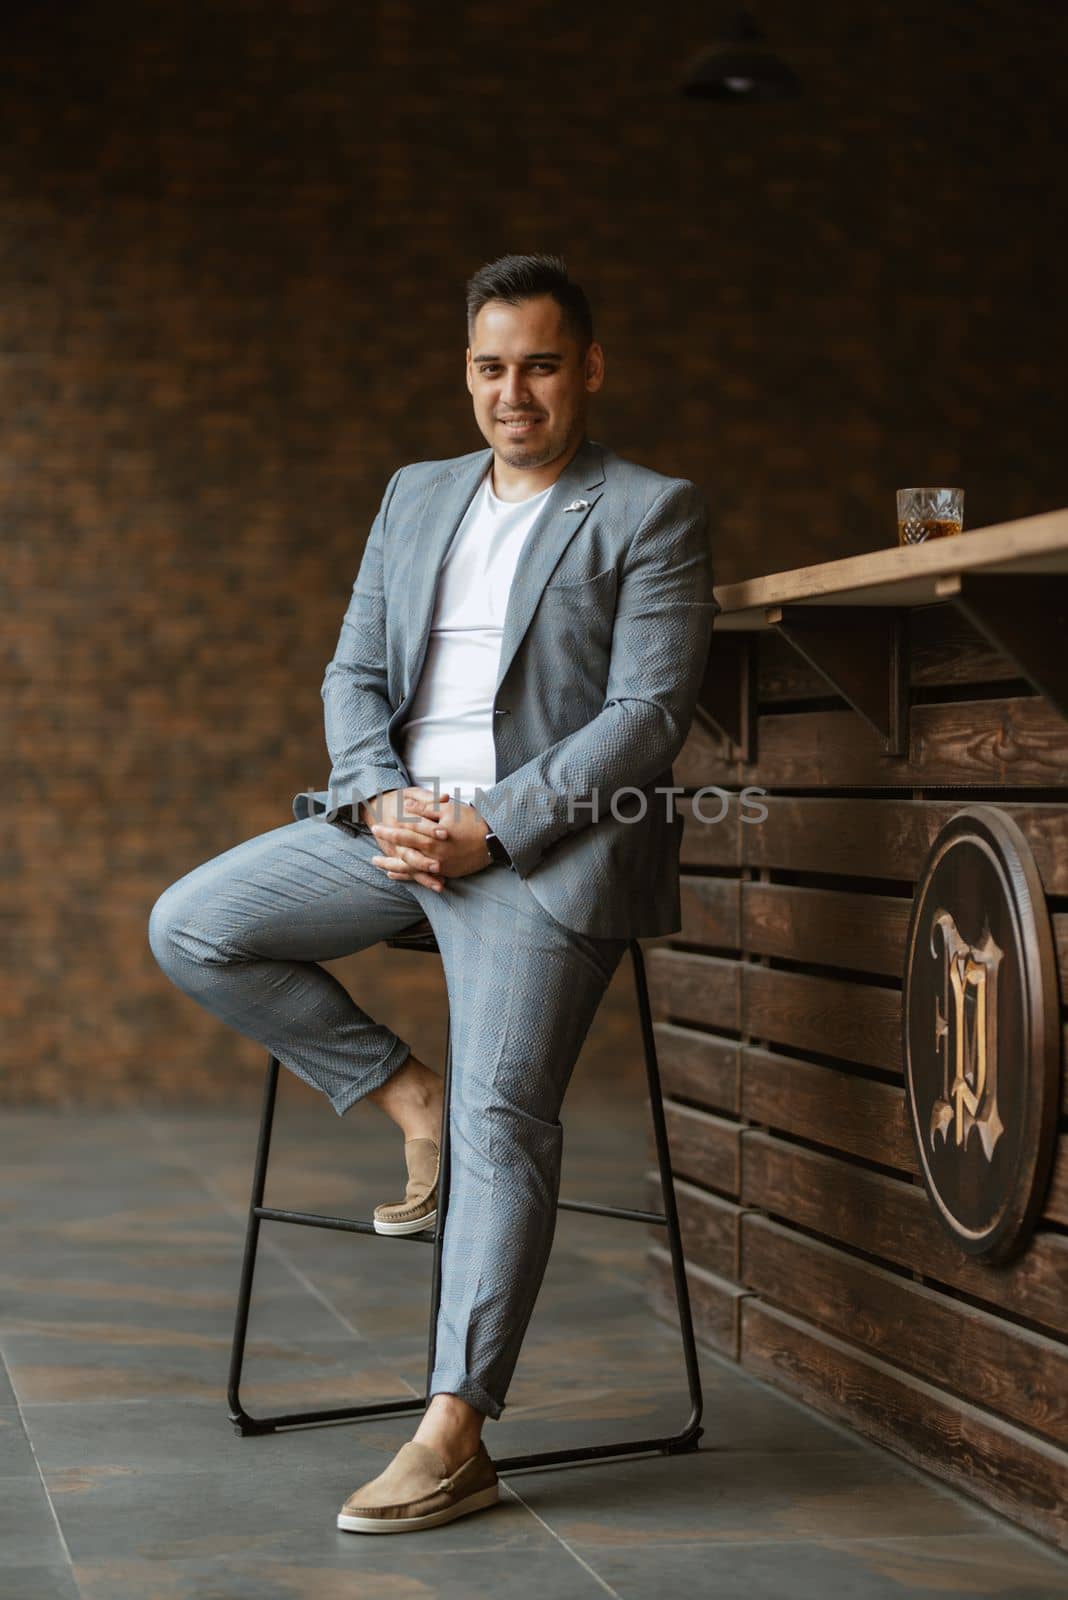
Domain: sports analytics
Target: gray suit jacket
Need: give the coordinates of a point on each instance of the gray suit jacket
(605, 640)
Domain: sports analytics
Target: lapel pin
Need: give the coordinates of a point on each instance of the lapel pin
(578, 505)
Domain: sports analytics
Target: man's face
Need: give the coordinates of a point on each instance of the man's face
(529, 380)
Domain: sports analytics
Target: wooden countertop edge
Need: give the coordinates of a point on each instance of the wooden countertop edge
(903, 575)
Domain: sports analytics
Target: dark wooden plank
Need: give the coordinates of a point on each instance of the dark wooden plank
(1016, 742)
(998, 1463)
(861, 836)
(693, 988)
(1060, 941)
(857, 1021)
(865, 932)
(784, 674)
(843, 1110)
(713, 844)
(1056, 1203)
(704, 1148)
(944, 648)
(709, 1224)
(848, 1113)
(714, 1303)
(892, 1219)
(698, 1066)
(1010, 1370)
(710, 911)
(707, 756)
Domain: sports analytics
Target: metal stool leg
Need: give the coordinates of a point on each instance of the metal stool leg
(243, 1422)
(238, 1416)
(688, 1437)
(671, 1444)
(443, 1206)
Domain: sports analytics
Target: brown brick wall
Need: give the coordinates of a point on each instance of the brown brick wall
(233, 245)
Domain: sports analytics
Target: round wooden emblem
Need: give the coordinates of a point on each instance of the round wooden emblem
(981, 1032)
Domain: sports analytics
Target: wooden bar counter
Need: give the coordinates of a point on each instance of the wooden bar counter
(896, 1261)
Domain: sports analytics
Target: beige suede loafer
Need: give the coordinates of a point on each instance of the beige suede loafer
(419, 1208)
(415, 1491)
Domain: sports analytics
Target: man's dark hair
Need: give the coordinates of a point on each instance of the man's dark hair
(518, 278)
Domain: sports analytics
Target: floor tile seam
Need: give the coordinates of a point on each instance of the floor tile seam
(823, 1540)
(562, 1542)
(274, 1249)
(60, 1535)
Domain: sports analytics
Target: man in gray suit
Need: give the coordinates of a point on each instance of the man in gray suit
(517, 668)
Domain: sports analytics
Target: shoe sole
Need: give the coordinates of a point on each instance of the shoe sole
(431, 1519)
(416, 1225)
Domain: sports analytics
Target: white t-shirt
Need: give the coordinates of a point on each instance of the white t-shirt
(448, 734)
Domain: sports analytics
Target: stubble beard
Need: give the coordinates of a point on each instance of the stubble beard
(529, 456)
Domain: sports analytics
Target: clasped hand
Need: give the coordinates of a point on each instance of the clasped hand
(424, 841)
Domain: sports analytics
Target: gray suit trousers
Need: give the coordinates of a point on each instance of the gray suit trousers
(242, 934)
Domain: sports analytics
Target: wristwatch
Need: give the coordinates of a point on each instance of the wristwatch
(497, 850)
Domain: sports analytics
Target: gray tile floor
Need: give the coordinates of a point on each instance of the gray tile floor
(122, 1478)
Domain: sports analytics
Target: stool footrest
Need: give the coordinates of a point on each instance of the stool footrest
(346, 1224)
(313, 1219)
(310, 1219)
(247, 1426)
(625, 1213)
(672, 1444)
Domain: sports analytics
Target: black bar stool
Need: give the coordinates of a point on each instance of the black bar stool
(420, 936)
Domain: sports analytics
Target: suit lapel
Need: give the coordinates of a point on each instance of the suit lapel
(580, 485)
(442, 508)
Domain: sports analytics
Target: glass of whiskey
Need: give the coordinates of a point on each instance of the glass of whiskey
(924, 514)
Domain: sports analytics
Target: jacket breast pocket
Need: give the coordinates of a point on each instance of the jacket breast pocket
(597, 590)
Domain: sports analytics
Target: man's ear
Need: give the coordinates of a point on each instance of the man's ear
(467, 365)
(594, 368)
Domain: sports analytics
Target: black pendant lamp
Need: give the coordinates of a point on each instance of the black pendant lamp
(741, 67)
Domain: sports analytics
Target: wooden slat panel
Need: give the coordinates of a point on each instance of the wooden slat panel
(861, 837)
(1016, 742)
(703, 1147)
(857, 1021)
(709, 1224)
(710, 911)
(892, 1219)
(783, 674)
(712, 844)
(694, 988)
(698, 1066)
(838, 929)
(708, 757)
(860, 1022)
(851, 1114)
(995, 1461)
(1009, 1370)
(714, 1302)
(840, 1109)
(944, 648)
